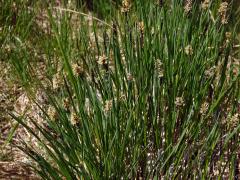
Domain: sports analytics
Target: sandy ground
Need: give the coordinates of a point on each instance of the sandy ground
(11, 159)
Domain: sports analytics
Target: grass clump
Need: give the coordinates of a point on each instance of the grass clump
(153, 93)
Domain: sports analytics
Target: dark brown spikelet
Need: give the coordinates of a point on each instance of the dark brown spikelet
(160, 3)
(89, 4)
(114, 29)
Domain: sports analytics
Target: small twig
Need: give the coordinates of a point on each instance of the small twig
(81, 13)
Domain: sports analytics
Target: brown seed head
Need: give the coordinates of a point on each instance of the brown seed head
(74, 119)
(228, 35)
(125, 6)
(14, 7)
(130, 77)
(205, 4)
(234, 120)
(204, 108)
(223, 12)
(223, 8)
(57, 81)
(52, 113)
(102, 60)
(141, 26)
(179, 101)
(210, 72)
(189, 50)
(7, 48)
(77, 70)
(188, 6)
(159, 68)
(108, 105)
(66, 103)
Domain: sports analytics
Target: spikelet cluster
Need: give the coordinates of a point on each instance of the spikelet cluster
(189, 50)
(159, 68)
(52, 113)
(102, 60)
(204, 108)
(141, 26)
(77, 70)
(188, 6)
(125, 6)
(234, 120)
(74, 119)
(66, 104)
(228, 36)
(205, 4)
(108, 106)
(57, 81)
(210, 72)
(130, 77)
(179, 101)
(223, 12)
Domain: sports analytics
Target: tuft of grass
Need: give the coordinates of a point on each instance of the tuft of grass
(153, 93)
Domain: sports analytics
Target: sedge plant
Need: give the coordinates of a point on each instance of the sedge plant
(153, 93)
